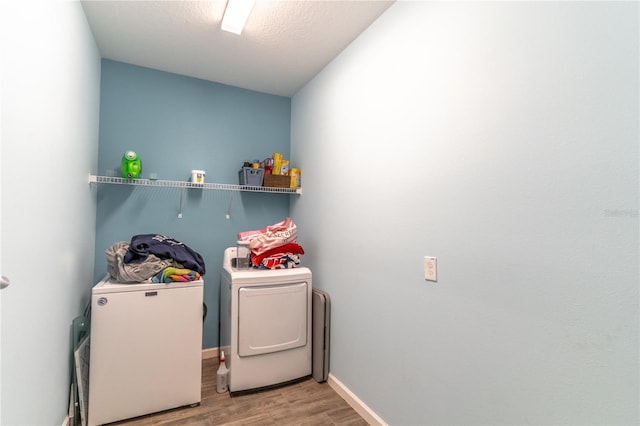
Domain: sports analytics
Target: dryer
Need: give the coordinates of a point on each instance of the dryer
(265, 324)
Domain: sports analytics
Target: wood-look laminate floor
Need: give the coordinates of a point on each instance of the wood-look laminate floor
(303, 403)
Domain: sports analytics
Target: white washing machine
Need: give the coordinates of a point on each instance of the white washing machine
(146, 348)
(265, 324)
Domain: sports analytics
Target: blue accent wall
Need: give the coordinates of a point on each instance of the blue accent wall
(177, 124)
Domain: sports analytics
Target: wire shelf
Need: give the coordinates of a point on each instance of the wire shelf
(181, 184)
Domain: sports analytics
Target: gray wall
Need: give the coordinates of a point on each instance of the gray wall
(50, 101)
(502, 138)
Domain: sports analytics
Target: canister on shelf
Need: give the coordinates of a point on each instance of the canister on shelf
(197, 176)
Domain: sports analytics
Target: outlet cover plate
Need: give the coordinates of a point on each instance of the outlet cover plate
(430, 268)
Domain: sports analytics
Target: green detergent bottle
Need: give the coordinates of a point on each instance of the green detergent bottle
(131, 165)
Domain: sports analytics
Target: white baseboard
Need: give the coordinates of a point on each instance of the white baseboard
(361, 408)
(210, 353)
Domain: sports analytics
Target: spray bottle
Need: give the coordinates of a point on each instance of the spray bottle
(221, 375)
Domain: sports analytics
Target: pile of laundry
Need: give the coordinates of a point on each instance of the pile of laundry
(153, 258)
(274, 247)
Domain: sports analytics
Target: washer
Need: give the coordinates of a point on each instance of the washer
(146, 348)
(265, 324)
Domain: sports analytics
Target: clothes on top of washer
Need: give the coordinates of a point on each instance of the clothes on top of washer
(171, 274)
(164, 247)
(148, 255)
(133, 272)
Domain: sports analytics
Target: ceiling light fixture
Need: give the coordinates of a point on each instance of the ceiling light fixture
(235, 15)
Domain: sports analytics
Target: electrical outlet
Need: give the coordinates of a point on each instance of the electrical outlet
(430, 268)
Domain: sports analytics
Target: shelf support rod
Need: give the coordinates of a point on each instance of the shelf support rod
(180, 211)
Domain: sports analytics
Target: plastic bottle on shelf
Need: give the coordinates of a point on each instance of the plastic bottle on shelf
(277, 162)
(222, 375)
(294, 172)
(268, 165)
(284, 167)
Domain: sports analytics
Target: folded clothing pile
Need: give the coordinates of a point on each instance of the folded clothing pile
(147, 256)
(274, 247)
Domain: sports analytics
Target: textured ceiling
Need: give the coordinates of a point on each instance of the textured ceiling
(284, 43)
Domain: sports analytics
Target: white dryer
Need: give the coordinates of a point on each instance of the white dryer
(265, 324)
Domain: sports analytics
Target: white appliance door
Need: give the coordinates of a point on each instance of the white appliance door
(272, 319)
(146, 352)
